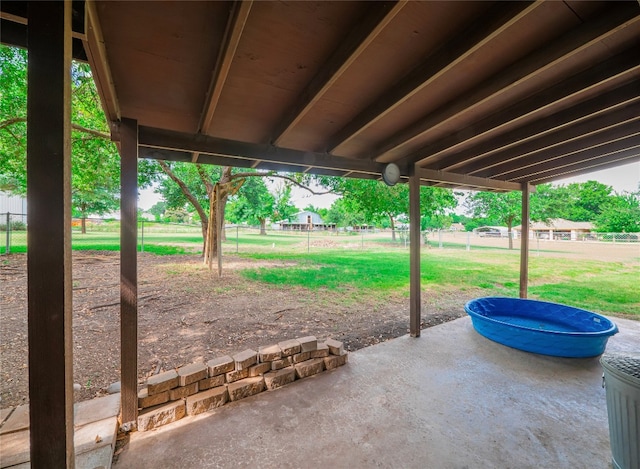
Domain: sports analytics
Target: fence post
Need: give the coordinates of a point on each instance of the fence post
(236, 239)
(440, 239)
(142, 237)
(7, 249)
(308, 240)
(468, 240)
(361, 239)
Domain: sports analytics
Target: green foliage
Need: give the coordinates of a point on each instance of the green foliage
(95, 163)
(13, 114)
(283, 208)
(253, 204)
(177, 215)
(502, 208)
(620, 214)
(188, 174)
(374, 202)
(158, 210)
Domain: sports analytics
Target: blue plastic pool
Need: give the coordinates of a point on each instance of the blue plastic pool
(541, 327)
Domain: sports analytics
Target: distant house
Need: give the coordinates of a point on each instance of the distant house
(12, 204)
(559, 228)
(306, 221)
(456, 227)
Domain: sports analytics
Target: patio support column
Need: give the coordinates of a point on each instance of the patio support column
(129, 271)
(414, 254)
(49, 229)
(524, 241)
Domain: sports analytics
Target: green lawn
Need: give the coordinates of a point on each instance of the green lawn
(607, 287)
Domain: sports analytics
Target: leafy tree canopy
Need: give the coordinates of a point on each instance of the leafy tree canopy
(95, 179)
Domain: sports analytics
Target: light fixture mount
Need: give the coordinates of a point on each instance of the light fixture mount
(391, 174)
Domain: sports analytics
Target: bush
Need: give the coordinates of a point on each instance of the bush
(15, 226)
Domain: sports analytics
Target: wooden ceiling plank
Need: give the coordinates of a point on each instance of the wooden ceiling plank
(184, 142)
(564, 48)
(596, 166)
(237, 21)
(623, 67)
(465, 180)
(619, 150)
(97, 57)
(596, 141)
(495, 21)
(596, 127)
(361, 36)
(609, 102)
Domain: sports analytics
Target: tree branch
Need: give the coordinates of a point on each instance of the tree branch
(185, 190)
(205, 180)
(95, 133)
(271, 175)
(79, 128)
(13, 120)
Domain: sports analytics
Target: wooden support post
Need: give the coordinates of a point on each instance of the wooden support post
(524, 241)
(129, 271)
(49, 223)
(414, 254)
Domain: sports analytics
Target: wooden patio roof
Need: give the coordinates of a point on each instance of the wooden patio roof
(474, 94)
(497, 96)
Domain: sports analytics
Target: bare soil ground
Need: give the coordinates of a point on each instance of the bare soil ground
(187, 314)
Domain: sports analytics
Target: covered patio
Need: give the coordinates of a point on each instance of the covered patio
(489, 96)
(452, 399)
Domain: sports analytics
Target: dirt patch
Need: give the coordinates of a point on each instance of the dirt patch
(188, 314)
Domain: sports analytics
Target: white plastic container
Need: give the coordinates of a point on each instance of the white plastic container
(622, 382)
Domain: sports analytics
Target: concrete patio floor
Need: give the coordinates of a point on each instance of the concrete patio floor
(448, 399)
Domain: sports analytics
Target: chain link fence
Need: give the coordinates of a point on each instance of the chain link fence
(13, 232)
(96, 234)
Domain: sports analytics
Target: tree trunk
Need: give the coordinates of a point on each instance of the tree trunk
(83, 219)
(263, 226)
(393, 228)
(204, 225)
(509, 225)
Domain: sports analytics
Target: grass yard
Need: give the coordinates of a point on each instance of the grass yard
(607, 287)
(340, 263)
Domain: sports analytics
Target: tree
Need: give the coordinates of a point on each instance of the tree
(253, 204)
(342, 214)
(158, 210)
(620, 214)
(206, 189)
(283, 209)
(582, 201)
(376, 201)
(504, 207)
(95, 174)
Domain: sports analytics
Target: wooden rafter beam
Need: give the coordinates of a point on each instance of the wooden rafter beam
(563, 49)
(595, 166)
(620, 150)
(495, 21)
(596, 131)
(457, 147)
(234, 151)
(237, 21)
(97, 56)
(361, 36)
(462, 180)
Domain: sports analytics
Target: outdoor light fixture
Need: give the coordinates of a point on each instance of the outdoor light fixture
(391, 174)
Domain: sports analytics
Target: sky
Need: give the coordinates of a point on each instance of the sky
(622, 178)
